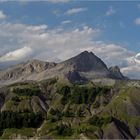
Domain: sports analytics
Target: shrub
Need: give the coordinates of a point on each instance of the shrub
(64, 90)
(52, 111)
(99, 121)
(64, 100)
(79, 95)
(26, 91)
(53, 119)
(55, 112)
(10, 119)
(96, 104)
(64, 130)
(68, 113)
(80, 112)
(15, 99)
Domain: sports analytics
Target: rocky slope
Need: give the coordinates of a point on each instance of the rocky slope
(85, 62)
(83, 67)
(73, 111)
(116, 73)
(28, 68)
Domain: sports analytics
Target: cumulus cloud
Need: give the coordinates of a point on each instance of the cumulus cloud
(110, 11)
(137, 21)
(132, 71)
(75, 11)
(133, 67)
(66, 22)
(20, 42)
(2, 15)
(13, 38)
(19, 54)
(58, 1)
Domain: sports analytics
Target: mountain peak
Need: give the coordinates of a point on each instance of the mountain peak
(86, 61)
(86, 53)
(116, 73)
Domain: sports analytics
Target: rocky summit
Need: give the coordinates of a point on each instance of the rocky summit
(116, 73)
(86, 62)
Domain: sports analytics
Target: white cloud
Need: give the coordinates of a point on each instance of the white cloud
(45, 43)
(17, 55)
(110, 11)
(137, 21)
(75, 11)
(132, 71)
(20, 42)
(58, 1)
(2, 15)
(133, 67)
(135, 60)
(66, 22)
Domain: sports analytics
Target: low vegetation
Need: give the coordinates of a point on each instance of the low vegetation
(100, 121)
(81, 95)
(53, 110)
(26, 91)
(10, 119)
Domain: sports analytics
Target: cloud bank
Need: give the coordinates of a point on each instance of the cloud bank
(58, 1)
(20, 42)
(75, 11)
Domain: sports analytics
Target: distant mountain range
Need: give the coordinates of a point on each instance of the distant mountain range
(81, 68)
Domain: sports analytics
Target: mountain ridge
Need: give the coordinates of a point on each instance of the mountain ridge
(84, 66)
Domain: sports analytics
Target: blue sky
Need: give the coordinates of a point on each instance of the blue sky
(118, 27)
(43, 29)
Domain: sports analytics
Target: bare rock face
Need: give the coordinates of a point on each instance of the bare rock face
(24, 69)
(85, 62)
(116, 73)
(88, 65)
(38, 66)
(114, 131)
(74, 76)
(83, 67)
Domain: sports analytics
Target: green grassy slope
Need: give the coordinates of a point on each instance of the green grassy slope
(73, 110)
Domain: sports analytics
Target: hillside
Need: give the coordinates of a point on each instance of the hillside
(80, 98)
(60, 110)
